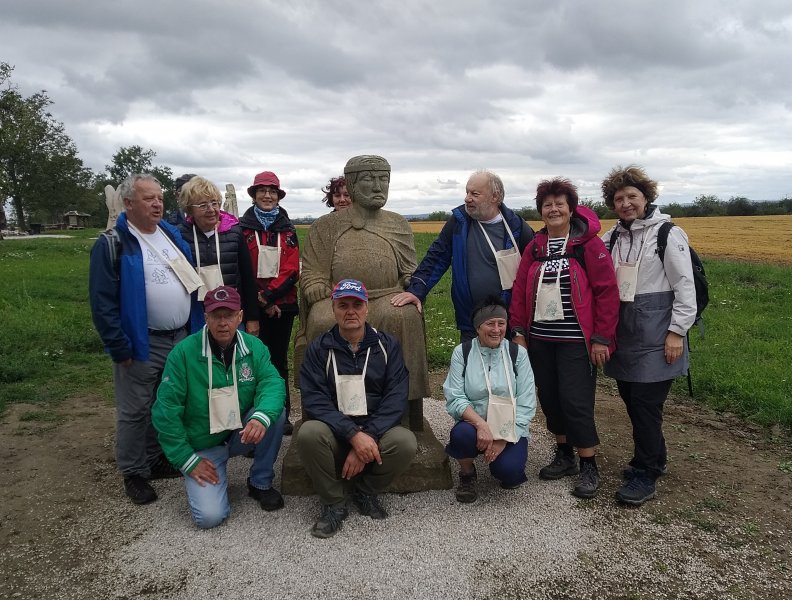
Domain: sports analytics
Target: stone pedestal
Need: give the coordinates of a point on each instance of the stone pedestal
(429, 469)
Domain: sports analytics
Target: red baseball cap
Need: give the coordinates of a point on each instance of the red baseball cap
(223, 297)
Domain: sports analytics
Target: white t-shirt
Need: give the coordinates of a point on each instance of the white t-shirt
(167, 302)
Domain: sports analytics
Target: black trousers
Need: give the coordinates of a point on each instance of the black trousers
(566, 382)
(644, 402)
(275, 332)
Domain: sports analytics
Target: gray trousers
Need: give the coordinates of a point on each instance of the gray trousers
(137, 448)
(323, 455)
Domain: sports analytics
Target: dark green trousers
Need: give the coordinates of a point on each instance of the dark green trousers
(322, 455)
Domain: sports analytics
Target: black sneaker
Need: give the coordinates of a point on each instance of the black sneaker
(636, 489)
(162, 469)
(329, 521)
(139, 490)
(588, 481)
(369, 504)
(629, 470)
(288, 428)
(562, 465)
(270, 499)
(466, 490)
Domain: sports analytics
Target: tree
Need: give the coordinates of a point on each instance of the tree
(438, 215)
(39, 168)
(135, 159)
(708, 206)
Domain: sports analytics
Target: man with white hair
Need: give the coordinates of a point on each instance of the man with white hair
(140, 286)
(482, 242)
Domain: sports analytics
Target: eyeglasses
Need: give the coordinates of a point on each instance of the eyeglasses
(207, 206)
(267, 191)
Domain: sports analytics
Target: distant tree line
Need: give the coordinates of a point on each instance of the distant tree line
(703, 206)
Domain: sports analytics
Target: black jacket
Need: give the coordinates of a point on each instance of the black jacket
(235, 263)
(387, 383)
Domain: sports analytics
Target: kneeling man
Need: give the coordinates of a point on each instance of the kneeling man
(220, 397)
(354, 392)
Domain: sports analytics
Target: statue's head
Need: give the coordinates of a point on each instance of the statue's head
(368, 178)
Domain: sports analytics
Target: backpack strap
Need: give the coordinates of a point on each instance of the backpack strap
(113, 249)
(612, 241)
(466, 346)
(662, 239)
(514, 350)
(578, 253)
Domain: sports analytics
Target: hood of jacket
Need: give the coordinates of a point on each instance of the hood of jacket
(583, 226)
(281, 223)
(653, 217)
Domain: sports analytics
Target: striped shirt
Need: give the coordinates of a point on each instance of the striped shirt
(567, 330)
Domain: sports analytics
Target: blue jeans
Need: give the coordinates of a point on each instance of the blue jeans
(508, 468)
(209, 503)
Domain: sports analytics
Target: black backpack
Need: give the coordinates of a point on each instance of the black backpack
(513, 350)
(699, 275)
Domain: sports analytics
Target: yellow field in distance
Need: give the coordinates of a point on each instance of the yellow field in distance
(754, 239)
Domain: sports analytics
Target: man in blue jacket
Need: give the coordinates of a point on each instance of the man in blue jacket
(482, 242)
(354, 392)
(140, 285)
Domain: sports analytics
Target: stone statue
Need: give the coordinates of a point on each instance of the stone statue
(375, 246)
(231, 200)
(115, 205)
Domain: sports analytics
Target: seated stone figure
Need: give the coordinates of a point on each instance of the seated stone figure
(375, 246)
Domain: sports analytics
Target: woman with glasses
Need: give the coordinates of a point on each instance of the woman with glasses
(275, 256)
(219, 251)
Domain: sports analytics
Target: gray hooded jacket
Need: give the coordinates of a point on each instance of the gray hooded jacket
(665, 300)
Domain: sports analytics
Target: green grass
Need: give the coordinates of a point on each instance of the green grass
(742, 364)
(49, 350)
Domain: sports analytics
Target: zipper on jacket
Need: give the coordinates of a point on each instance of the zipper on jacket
(577, 286)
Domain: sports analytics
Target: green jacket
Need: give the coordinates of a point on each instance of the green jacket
(181, 412)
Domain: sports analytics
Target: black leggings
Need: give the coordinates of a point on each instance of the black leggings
(566, 383)
(275, 332)
(644, 402)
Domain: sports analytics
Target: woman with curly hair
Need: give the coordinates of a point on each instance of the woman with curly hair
(336, 194)
(658, 306)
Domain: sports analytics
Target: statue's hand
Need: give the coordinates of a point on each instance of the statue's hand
(316, 293)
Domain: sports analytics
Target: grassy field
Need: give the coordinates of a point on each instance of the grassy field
(50, 350)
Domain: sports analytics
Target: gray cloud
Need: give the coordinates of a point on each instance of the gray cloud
(698, 92)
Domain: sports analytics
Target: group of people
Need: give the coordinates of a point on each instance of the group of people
(197, 319)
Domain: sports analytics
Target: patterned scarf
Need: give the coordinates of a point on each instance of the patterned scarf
(266, 217)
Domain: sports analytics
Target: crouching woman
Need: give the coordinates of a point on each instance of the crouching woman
(489, 391)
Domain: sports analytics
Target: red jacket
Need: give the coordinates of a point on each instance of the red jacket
(281, 289)
(595, 294)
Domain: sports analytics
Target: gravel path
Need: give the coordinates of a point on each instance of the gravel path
(534, 542)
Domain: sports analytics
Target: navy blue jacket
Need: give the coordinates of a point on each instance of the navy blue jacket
(387, 383)
(450, 248)
(118, 300)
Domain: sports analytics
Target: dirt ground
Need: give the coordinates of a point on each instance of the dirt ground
(726, 478)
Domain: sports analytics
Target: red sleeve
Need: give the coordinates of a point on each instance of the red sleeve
(605, 290)
(520, 305)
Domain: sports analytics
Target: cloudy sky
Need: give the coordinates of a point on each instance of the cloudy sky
(699, 92)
